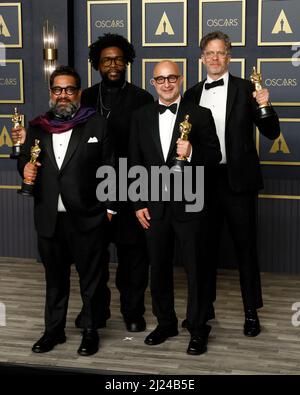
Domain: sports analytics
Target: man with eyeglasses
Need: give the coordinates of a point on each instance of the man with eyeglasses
(71, 224)
(116, 99)
(155, 141)
(235, 182)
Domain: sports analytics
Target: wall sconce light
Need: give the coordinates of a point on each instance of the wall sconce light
(49, 50)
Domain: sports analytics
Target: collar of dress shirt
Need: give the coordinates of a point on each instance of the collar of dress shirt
(175, 101)
(224, 76)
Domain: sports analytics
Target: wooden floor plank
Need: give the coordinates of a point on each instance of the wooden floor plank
(275, 351)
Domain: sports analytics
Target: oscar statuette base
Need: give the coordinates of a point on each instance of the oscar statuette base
(265, 112)
(26, 189)
(16, 150)
(178, 165)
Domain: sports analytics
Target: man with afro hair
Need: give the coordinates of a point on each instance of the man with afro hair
(116, 99)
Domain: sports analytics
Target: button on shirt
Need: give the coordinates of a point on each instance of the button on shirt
(60, 143)
(215, 99)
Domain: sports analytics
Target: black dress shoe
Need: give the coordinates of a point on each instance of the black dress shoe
(48, 341)
(89, 343)
(197, 345)
(102, 324)
(138, 325)
(252, 325)
(160, 335)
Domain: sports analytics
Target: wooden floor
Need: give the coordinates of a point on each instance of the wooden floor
(275, 351)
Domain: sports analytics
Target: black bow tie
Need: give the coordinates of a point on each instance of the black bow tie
(214, 84)
(172, 108)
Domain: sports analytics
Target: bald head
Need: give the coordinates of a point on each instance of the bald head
(167, 81)
(166, 67)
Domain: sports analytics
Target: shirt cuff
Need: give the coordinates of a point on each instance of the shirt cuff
(111, 212)
(189, 158)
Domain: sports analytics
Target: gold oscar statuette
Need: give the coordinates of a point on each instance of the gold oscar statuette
(185, 129)
(264, 110)
(28, 185)
(16, 121)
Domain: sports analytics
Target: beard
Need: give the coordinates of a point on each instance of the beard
(64, 110)
(114, 83)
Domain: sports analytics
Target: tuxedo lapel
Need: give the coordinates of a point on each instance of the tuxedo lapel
(182, 111)
(73, 143)
(154, 125)
(232, 91)
(199, 91)
(47, 140)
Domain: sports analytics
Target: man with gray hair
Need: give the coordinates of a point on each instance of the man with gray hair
(235, 182)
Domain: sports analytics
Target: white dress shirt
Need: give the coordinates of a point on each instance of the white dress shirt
(60, 143)
(166, 126)
(216, 99)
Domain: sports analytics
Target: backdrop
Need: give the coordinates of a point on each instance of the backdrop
(265, 34)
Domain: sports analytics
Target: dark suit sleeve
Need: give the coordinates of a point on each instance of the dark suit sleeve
(89, 97)
(25, 156)
(135, 153)
(146, 98)
(207, 151)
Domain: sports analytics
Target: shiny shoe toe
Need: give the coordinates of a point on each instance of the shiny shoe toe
(159, 336)
(89, 343)
(197, 345)
(251, 325)
(48, 341)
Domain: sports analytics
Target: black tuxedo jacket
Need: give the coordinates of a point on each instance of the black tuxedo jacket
(124, 225)
(242, 160)
(76, 179)
(145, 147)
(130, 99)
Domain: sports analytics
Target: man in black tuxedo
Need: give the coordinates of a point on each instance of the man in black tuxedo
(236, 180)
(116, 99)
(71, 223)
(154, 133)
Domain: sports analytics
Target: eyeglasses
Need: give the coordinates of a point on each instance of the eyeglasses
(70, 90)
(118, 60)
(212, 54)
(172, 78)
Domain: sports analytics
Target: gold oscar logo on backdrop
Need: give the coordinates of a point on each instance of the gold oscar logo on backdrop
(3, 28)
(164, 26)
(280, 145)
(282, 25)
(5, 138)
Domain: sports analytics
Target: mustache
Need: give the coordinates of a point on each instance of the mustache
(63, 111)
(63, 100)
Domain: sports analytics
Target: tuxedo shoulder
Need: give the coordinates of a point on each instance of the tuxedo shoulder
(240, 81)
(145, 109)
(192, 90)
(192, 106)
(138, 91)
(91, 89)
(96, 118)
(89, 96)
